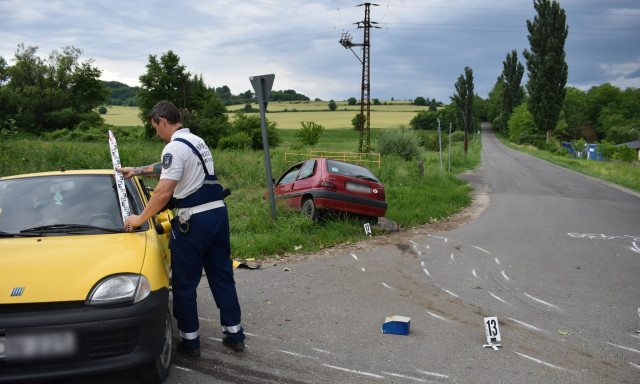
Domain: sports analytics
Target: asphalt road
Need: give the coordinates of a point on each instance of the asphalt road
(555, 256)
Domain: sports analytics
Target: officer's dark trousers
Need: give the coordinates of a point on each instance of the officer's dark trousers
(206, 245)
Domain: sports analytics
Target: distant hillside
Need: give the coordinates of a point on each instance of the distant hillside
(121, 94)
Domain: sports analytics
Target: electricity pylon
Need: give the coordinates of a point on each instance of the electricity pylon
(345, 41)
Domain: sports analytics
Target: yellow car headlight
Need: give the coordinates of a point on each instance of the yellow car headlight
(120, 289)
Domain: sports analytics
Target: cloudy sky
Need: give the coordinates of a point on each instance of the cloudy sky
(419, 49)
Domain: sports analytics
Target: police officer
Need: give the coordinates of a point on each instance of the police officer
(199, 233)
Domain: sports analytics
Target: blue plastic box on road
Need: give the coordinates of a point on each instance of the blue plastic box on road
(397, 325)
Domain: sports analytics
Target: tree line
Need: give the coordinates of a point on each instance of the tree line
(544, 111)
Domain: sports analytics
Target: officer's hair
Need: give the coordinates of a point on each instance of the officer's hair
(165, 110)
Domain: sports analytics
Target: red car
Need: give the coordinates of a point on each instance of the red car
(318, 184)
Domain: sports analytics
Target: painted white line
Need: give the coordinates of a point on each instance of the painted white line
(321, 350)
(540, 361)
(405, 377)
(425, 271)
(497, 261)
(497, 298)
(354, 256)
(298, 355)
(540, 301)
(524, 324)
(625, 348)
(352, 371)
(386, 285)
(635, 365)
(451, 293)
(474, 272)
(483, 250)
(505, 275)
(182, 368)
(434, 374)
(438, 316)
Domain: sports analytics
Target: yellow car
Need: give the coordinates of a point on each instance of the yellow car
(78, 295)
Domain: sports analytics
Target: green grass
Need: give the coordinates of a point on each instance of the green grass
(412, 200)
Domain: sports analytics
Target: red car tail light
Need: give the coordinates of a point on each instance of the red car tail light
(327, 185)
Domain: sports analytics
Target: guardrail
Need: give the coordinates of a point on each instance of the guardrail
(349, 157)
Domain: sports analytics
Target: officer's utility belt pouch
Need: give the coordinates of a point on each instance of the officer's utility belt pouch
(184, 214)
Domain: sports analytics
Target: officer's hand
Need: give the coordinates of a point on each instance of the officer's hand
(127, 172)
(132, 222)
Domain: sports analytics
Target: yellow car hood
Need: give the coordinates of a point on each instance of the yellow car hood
(64, 268)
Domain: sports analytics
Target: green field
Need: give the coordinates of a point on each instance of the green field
(288, 115)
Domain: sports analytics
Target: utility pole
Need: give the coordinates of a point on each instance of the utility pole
(345, 41)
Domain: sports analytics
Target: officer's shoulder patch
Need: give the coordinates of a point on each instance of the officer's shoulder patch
(166, 160)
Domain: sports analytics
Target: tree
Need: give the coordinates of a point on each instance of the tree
(352, 101)
(166, 80)
(463, 99)
(420, 101)
(512, 92)
(251, 125)
(355, 122)
(332, 105)
(38, 95)
(425, 120)
(546, 64)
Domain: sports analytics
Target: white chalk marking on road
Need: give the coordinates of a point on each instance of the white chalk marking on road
(354, 256)
(321, 350)
(405, 377)
(524, 324)
(497, 298)
(205, 319)
(438, 316)
(497, 261)
(182, 368)
(422, 263)
(540, 301)
(635, 248)
(387, 285)
(362, 269)
(483, 250)
(434, 374)
(442, 238)
(505, 275)
(425, 271)
(353, 371)
(540, 361)
(625, 348)
(413, 242)
(452, 259)
(474, 272)
(451, 293)
(415, 248)
(635, 365)
(298, 355)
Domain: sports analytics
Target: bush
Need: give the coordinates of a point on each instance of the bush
(239, 140)
(310, 133)
(399, 142)
(102, 110)
(457, 137)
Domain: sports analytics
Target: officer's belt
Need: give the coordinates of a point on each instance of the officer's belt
(185, 213)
